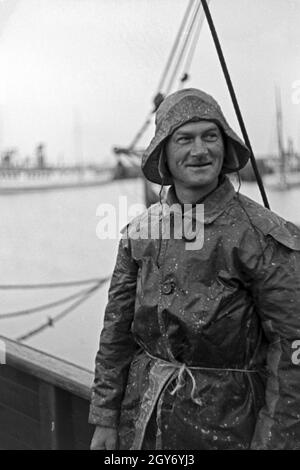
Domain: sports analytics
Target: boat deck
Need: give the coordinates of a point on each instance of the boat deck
(44, 401)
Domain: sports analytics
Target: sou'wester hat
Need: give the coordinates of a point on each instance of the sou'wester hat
(179, 108)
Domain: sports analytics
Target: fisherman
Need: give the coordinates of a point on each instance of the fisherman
(200, 347)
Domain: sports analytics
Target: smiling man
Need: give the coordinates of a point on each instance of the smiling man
(197, 346)
(195, 154)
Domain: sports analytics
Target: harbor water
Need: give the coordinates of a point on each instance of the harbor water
(52, 237)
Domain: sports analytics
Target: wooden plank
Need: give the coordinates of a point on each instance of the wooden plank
(57, 372)
(55, 418)
(10, 443)
(19, 398)
(20, 427)
(82, 445)
(18, 377)
(62, 391)
(81, 406)
(83, 431)
(47, 416)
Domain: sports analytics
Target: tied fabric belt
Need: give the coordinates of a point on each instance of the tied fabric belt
(161, 374)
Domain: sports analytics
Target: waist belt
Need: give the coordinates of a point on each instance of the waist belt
(161, 374)
(181, 368)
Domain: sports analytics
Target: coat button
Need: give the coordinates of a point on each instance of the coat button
(168, 288)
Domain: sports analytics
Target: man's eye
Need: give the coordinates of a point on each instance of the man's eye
(211, 137)
(183, 140)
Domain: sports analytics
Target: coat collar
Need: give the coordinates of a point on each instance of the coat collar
(215, 203)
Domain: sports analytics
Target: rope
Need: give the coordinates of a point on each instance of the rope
(40, 308)
(164, 74)
(193, 46)
(175, 46)
(142, 130)
(234, 100)
(49, 285)
(184, 47)
(51, 321)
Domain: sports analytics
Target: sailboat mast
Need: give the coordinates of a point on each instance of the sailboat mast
(281, 152)
(77, 135)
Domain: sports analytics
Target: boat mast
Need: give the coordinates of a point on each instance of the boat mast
(77, 135)
(281, 152)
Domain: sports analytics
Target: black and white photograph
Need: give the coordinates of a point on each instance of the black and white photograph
(150, 227)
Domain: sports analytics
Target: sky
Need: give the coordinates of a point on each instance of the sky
(79, 75)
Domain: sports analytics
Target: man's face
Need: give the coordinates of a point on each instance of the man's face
(195, 154)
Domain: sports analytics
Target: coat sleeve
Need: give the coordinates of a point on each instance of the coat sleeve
(276, 290)
(117, 345)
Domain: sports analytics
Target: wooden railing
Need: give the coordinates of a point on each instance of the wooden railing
(44, 401)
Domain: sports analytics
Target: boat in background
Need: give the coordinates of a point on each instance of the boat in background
(128, 163)
(18, 179)
(38, 175)
(285, 166)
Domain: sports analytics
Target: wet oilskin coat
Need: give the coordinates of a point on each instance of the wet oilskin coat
(198, 346)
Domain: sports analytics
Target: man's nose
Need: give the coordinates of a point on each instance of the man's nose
(198, 147)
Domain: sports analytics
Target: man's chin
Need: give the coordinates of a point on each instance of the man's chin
(201, 182)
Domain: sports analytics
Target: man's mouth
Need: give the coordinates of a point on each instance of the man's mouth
(199, 165)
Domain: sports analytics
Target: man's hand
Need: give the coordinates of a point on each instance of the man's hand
(104, 439)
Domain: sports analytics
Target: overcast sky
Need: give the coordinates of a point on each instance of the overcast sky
(83, 72)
